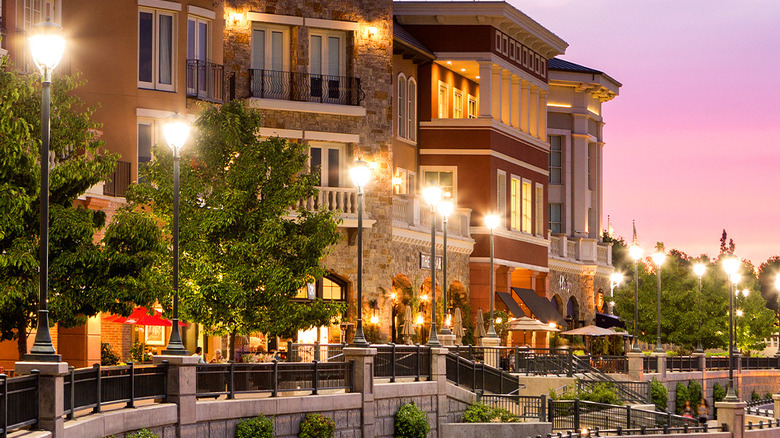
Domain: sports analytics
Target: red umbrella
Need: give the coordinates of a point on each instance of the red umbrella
(141, 317)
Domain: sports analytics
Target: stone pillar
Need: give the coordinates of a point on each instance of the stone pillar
(515, 102)
(485, 88)
(495, 92)
(702, 358)
(491, 354)
(181, 390)
(776, 398)
(534, 112)
(506, 97)
(446, 340)
(635, 365)
(364, 384)
(439, 375)
(525, 113)
(733, 415)
(661, 361)
(52, 393)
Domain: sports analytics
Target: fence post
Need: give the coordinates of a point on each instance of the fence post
(181, 388)
(4, 382)
(570, 368)
(316, 378)
(131, 403)
(72, 395)
(98, 389)
(550, 410)
(543, 408)
(576, 414)
(50, 408)
(419, 364)
(231, 382)
(628, 417)
(317, 350)
(392, 359)
(275, 379)
(457, 365)
(289, 351)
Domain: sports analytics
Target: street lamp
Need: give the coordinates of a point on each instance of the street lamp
(46, 46)
(699, 269)
(492, 221)
(777, 286)
(432, 196)
(176, 131)
(636, 253)
(614, 281)
(360, 173)
(658, 259)
(731, 266)
(445, 207)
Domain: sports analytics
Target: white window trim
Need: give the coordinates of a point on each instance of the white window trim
(274, 19)
(325, 34)
(511, 226)
(522, 207)
(209, 28)
(468, 107)
(537, 212)
(201, 12)
(502, 214)
(154, 85)
(268, 28)
(160, 4)
(446, 106)
(401, 82)
(331, 24)
(453, 169)
(457, 93)
(324, 147)
(411, 111)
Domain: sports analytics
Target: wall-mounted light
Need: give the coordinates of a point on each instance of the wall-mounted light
(236, 18)
(448, 320)
(424, 297)
(374, 318)
(372, 30)
(419, 320)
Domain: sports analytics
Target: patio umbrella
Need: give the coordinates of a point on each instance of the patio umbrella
(479, 330)
(408, 328)
(457, 327)
(590, 330)
(141, 317)
(530, 325)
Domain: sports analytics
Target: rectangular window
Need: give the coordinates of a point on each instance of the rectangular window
(443, 100)
(197, 50)
(515, 204)
(556, 225)
(156, 30)
(501, 195)
(412, 110)
(329, 159)
(526, 207)
(457, 104)
(402, 106)
(556, 159)
(539, 226)
(444, 179)
(327, 55)
(472, 107)
(270, 60)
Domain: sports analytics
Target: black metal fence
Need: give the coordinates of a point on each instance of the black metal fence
(245, 378)
(759, 363)
(206, 81)
(626, 390)
(393, 360)
(98, 386)
(118, 182)
(305, 87)
(666, 430)
(479, 377)
(19, 401)
(529, 408)
(609, 364)
(716, 362)
(682, 363)
(578, 414)
(650, 364)
(298, 352)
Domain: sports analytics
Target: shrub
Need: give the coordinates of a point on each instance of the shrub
(718, 393)
(138, 353)
(603, 392)
(768, 396)
(411, 422)
(681, 396)
(317, 426)
(695, 391)
(481, 413)
(258, 427)
(143, 433)
(755, 395)
(107, 356)
(659, 394)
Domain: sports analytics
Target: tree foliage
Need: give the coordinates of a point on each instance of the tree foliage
(84, 277)
(245, 248)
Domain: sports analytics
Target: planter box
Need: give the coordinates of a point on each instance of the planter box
(495, 430)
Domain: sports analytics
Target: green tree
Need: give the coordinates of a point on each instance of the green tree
(84, 277)
(767, 273)
(245, 248)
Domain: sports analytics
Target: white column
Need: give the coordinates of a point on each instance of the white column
(543, 115)
(506, 100)
(534, 111)
(496, 92)
(485, 89)
(514, 105)
(525, 97)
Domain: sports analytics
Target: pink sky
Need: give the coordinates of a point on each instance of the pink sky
(692, 139)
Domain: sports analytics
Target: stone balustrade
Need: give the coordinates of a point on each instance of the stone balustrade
(413, 214)
(580, 249)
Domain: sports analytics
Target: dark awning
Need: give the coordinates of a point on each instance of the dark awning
(605, 320)
(542, 309)
(511, 304)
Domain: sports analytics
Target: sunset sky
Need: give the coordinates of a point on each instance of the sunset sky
(692, 139)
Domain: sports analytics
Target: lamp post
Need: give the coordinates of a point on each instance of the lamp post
(777, 286)
(731, 266)
(636, 253)
(492, 221)
(46, 46)
(176, 131)
(432, 196)
(738, 312)
(614, 280)
(699, 269)
(445, 207)
(658, 259)
(360, 173)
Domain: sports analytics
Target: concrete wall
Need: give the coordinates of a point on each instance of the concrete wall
(495, 430)
(158, 418)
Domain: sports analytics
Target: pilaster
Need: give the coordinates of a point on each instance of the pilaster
(515, 102)
(506, 97)
(635, 365)
(542, 130)
(495, 91)
(525, 110)
(534, 112)
(485, 89)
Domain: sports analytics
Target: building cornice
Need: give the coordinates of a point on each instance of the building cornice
(510, 263)
(490, 152)
(455, 244)
(513, 235)
(485, 123)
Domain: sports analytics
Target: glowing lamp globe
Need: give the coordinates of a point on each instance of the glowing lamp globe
(360, 172)
(731, 265)
(616, 278)
(699, 269)
(446, 208)
(636, 252)
(176, 132)
(777, 282)
(492, 221)
(47, 46)
(658, 258)
(432, 195)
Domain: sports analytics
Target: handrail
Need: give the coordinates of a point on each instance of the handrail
(305, 87)
(15, 392)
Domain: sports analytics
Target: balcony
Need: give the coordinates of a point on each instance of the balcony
(305, 87)
(117, 183)
(206, 81)
(343, 199)
(410, 213)
(580, 250)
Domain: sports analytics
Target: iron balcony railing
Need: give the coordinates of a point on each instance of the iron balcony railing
(22, 396)
(650, 364)
(394, 360)
(299, 352)
(716, 362)
(117, 183)
(246, 378)
(206, 81)
(98, 386)
(305, 87)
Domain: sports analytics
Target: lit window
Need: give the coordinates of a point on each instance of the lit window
(472, 107)
(327, 288)
(443, 179)
(443, 100)
(501, 195)
(198, 52)
(156, 49)
(556, 155)
(515, 204)
(526, 207)
(457, 104)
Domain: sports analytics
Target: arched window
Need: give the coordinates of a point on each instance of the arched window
(412, 111)
(402, 106)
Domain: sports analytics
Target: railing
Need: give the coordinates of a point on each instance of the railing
(768, 423)
(521, 406)
(342, 199)
(97, 386)
(602, 255)
(22, 396)
(571, 249)
(609, 364)
(650, 364)
(625, 393)
(642, 431)
(716, 362)
(408, 212)
(305, 87)
(246, 378)
(579, 249)
(621, 388)
(205, 81)
(310, 352)
(579, 414)
(402, 361)
(118, 182)
(759, 363)
(479, 377)
(682, 363)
